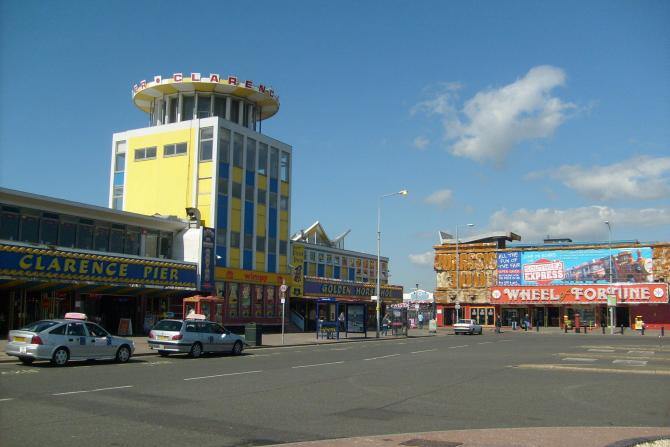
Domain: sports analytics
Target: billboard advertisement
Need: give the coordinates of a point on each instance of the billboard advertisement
(552, 267)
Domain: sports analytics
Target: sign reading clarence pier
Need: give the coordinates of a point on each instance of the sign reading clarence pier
(634, 293)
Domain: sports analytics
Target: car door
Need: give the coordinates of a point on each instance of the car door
(221, 339)
(100, 343)
(76, 340)
(206, 336)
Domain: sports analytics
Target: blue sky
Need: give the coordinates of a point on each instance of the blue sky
(542, 118)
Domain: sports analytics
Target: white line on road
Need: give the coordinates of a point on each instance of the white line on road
(93, 391)
(6, 399)
(630, 362)
(382, 357)
(503, 341)
(601, 350)
(339, 349)
(224, 375)
(425, 350)
(484, 342)
(642, 352)
(317, 364)
(579, 359)
(460, 346)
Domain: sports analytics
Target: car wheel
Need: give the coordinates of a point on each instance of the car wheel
(196, 350)
(237, 348)
(60, 357)
(163, 353)
(123, 354)
(27, 360)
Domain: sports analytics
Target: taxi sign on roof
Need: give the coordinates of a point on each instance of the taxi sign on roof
(195, 317)
(75, 316)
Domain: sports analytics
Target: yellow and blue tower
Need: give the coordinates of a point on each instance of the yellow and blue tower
(204, 149)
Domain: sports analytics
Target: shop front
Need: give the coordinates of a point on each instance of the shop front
(582, 304)
(115, 291)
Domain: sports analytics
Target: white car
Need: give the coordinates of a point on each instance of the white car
(71, 338)
(193, 336)
(467, 327)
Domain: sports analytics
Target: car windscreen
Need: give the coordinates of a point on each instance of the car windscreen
(39, 326)
(464, 321)
(168, 325)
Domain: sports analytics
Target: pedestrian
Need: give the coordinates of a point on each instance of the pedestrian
(340, 320)
(498, 324)
(420, 317)
(386, 322)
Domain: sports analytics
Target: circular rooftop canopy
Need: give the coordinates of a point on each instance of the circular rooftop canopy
(265, 99)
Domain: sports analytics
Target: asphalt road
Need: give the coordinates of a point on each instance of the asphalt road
(279, 395)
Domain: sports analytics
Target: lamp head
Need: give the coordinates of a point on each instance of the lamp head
(471, 225)
(403, 192)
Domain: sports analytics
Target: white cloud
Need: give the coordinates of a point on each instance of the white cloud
(440, 198)
(637, 178)
(420, 142)
(493, 121)
(584, 223)
(424, 259)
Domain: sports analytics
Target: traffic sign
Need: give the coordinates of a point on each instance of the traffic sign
(457, 306)
(283, 288)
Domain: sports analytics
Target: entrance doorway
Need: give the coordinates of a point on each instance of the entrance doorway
(623, 316)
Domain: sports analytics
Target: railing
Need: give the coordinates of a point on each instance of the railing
(298, 320)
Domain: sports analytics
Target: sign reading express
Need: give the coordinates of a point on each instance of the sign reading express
(24, 262)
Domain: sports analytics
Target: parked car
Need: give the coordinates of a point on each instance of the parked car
(467, 327)
(193, 336)
(62, 340)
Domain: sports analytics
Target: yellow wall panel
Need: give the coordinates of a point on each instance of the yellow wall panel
(283, 263)
(260, 224)
(311, 267)
(204, 186)
(162, 185)
(236, 204)
(235, 219)
(234, 257)
(262, 182)
(329, 271)
(260, 261)
(237, 175)
(205, 169)
(284, 188)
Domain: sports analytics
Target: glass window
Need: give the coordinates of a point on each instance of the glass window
(132, 242)
(282, 247)
(284, 167)
(238, 147)
(95, 331)
(119, 162)
(49, 230)
(206, 143)
(224, 145)
(237, 190)
(260, 243)
(204, 104)
(30, 226)
(272, 245)
(235, 239)
(220, 106)
(172, 114)
(101, 239)
(116, 240)
(76, 329)
(145, 153)
(223, 186)
(151, 244)
(188, 103)
(273, 199)
(274, 162)
(262, 158)
(245, 115)
(60, 330)
(261, 196)
(249, 193)
(251, 154)
(283, 203)
(9, 228)
(235, 111)
(248, 241)
(221, 237)
(174, 149)
(85, 236)
(67, 236)
(166, 246)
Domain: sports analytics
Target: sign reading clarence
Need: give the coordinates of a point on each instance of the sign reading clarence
(25, 262)
(580, 294)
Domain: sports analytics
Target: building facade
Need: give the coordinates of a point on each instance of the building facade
(324, 271)
(58, 256)
(203, 152)
(553, 284)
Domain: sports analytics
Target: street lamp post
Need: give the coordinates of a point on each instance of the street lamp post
(379, 234)
(458, 268)
(610, 309)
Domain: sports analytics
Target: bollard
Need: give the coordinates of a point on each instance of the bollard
(537, 328)
(565, 326)
(622, 329)
(586, 329)
(642, 330)
(662, 331)
(603, 329)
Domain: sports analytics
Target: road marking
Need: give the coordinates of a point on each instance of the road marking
(316, 364)
(579, 359)
(652, 372)
(19, 371)
(6, 399)
(425, 350)
(642, 352)
(93, 391)
(339, 349)
(223, 375)
(503, 341)
(601, 350)
(630, 362)
(382, 357)
(461, 346)
(484, 342)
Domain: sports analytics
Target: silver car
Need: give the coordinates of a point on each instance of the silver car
(193, 337)
(67, 339)
(468, 327)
